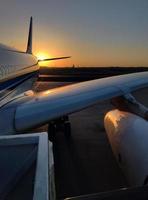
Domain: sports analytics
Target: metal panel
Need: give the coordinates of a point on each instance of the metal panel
(18, 153)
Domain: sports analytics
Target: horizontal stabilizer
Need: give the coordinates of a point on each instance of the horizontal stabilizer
(7, 48)
(49, 59)
(16, 51)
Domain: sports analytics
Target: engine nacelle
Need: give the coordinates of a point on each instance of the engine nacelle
(128, 136)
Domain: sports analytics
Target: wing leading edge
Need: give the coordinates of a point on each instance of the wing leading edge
(54, 103)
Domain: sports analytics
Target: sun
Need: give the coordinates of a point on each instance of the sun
(42, 56)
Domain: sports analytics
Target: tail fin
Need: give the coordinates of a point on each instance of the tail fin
(29, 44)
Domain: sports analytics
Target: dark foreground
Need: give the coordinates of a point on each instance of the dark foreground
(71, 74)
(85, 163)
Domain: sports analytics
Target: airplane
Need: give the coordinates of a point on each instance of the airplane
(22, 109)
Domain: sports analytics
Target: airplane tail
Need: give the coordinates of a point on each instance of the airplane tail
(29, 44)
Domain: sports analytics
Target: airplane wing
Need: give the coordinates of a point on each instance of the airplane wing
(44, 106)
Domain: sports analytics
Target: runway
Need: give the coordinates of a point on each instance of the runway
(85, 163)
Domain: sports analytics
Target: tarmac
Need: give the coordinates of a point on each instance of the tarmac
(85, 164)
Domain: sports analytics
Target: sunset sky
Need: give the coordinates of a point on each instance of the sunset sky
(93, 32)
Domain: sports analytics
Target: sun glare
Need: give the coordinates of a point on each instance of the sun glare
(42, 56)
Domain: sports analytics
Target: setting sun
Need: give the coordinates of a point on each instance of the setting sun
(42, 56)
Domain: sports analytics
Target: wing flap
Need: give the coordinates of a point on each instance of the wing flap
(54, 103)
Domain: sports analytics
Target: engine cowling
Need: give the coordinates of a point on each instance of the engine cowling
(128, 136)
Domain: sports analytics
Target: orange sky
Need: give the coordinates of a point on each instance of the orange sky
(94, 33)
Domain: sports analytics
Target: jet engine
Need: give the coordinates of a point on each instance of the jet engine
(128, 136)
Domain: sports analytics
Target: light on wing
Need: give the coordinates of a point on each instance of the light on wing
(65, 100)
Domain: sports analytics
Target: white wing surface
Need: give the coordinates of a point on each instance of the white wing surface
(54, 103)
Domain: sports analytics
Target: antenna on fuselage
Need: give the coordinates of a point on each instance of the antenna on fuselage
(29, 44)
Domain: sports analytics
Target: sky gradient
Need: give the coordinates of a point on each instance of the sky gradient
(93, 32)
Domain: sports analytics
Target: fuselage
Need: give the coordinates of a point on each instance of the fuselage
(15, 68)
